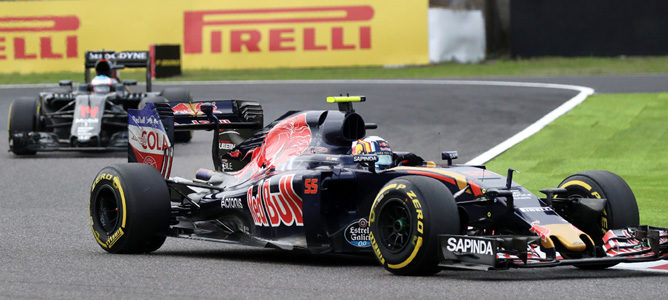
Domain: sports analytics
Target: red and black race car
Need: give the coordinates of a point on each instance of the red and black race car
(297, 184)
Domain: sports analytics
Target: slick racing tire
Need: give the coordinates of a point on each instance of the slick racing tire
(23, 118)
(407, 215)
(621, 209)
(129, 208)
(178, 94)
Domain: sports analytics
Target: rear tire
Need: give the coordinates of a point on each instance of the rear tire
(621, 209)
(406, 218)
(129, 208)
(23, 117)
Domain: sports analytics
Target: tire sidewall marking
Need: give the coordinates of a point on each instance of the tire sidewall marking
(418, 228)
(110, 179)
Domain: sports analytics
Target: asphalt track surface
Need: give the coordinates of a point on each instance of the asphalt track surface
(47, 249)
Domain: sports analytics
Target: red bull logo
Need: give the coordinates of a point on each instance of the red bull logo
(34, 37)
(228, 33)
(274, 209)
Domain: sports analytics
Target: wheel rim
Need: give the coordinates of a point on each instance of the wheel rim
(395, 223)
(107, 209)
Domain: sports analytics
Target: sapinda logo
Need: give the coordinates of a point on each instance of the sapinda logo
(282, 36)
(34, 37)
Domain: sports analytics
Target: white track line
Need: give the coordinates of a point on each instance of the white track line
(583, 93)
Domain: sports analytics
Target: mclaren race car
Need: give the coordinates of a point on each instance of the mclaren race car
(297, 184)
(91, 116)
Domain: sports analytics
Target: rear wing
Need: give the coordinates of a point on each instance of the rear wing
(123, 59)
(151, 129)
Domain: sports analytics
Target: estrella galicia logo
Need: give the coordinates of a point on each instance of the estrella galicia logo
(357, 233)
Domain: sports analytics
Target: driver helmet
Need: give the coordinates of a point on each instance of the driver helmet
(374, 145)
(102, 84)
(103, 67)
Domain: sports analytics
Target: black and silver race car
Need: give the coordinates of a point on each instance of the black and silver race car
(91, 116)
(294, 184)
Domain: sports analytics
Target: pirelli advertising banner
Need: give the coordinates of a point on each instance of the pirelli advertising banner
(43, 36)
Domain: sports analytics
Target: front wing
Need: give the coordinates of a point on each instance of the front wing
(628, 245)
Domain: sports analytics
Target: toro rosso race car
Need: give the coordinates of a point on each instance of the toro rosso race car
(313, 180)
(91, 116)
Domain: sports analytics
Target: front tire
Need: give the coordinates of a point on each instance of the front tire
(23, 117)
(129, 208)
(621, 208)
(406, 218)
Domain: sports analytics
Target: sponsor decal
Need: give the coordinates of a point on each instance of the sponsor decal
(226, 166)
(87, 111)
(226, 35)
(225, 145)
(357, 234)
(231, 203)
(274, 209)
(125, 55)
(535, 209)
(365, 158)
(467, 245)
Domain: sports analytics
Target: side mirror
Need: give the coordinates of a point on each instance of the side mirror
(449, 156)
(65, 83)
(129, 82)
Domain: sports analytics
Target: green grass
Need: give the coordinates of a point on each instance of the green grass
(624, 133)
(550, 66)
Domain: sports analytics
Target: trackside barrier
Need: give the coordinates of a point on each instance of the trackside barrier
(45, 36)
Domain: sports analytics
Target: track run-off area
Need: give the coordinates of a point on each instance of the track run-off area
(47, 249)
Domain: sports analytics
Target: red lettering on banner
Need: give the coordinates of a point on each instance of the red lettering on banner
(2, 48)
(337, 39)
(71, 46)
(309, 40)
(216, 41)
(20, 49)
(87, 111)
(248, 38)
(282, 208)
(365, 37)
(277, 38)
(195, 24)
(26, 47)
(45, 48)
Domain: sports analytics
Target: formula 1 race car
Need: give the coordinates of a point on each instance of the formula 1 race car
(296, 184)
(90, 117)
